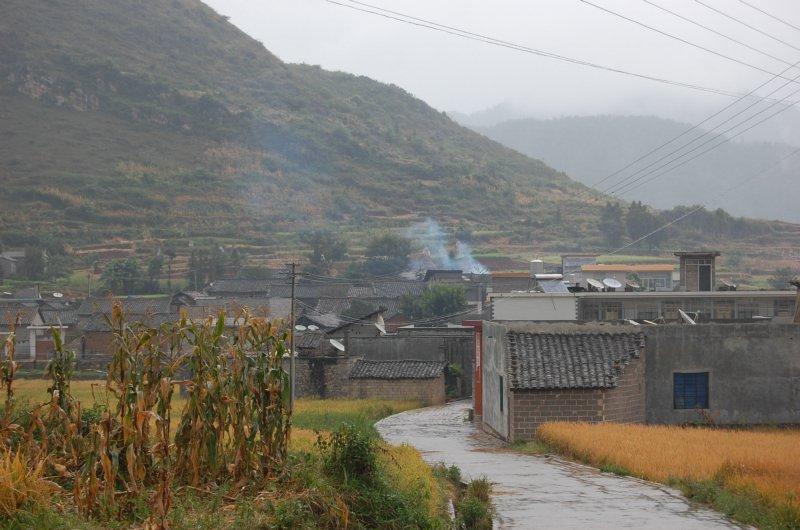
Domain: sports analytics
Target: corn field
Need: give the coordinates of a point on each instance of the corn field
(234, 426)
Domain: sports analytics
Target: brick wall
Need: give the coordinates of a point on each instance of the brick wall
(531, 408)
(427, 391)
(626, 402)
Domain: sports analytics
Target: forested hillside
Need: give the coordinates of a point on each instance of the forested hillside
(134, 120)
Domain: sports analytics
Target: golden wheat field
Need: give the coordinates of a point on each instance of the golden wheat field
(766, 461)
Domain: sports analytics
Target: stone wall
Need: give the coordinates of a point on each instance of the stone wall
(531, 408)
(493, 375)
(426, 391)
(321, 377)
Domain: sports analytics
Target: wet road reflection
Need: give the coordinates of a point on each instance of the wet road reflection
(543, 492)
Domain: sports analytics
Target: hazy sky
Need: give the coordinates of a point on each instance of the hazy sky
(451, 73)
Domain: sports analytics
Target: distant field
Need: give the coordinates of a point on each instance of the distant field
(752, 475)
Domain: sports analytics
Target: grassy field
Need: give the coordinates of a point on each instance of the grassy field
(752, 476)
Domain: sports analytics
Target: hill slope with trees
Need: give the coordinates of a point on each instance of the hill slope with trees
(134, 120)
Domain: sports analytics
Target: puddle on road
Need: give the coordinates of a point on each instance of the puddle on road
(543, 492)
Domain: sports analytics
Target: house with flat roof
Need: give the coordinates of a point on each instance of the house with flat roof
(642, 276)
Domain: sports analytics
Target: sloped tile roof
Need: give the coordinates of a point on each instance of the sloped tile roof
(569, 360)
(407, 369)
(52, 317)
(9, 311)
(398, 289)
(98, 322)
(309, 339)
(131, 305)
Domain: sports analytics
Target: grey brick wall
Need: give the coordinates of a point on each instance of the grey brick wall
(626, 402)
(426, 391)
(531, 408)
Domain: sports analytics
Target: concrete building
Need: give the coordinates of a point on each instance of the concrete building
(698, 270)
(732, 374)
(723, 374)
(723, 306)
(649, 276)
(422, 381)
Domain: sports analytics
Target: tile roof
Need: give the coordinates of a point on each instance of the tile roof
(9, 311)
(132, 305)
(406, 369)
(361, 291)
(98, 322)
(52, 317)
(309, 339)
(398, 289)
(569, 360)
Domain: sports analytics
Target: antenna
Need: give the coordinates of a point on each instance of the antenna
(312, 327)
(611, 283)
(300, 327)
(650, 322)
(381, 328)
(58, 295)
(336, 344)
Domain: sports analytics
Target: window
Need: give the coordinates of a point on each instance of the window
(501, 394)
(690, 390)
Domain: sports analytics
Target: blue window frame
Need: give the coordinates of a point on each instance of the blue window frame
(690, 390)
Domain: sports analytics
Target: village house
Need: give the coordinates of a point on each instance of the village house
(727, 374)
(416, 380)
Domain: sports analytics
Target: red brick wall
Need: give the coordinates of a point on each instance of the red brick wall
(530, 408)
(626, 402)
(427, 391)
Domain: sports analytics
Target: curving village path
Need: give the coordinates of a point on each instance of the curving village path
(542, 491)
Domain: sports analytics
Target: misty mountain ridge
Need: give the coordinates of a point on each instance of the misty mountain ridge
(588, 148)
(783, 128)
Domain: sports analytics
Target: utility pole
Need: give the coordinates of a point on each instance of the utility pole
(291, 340)
(88, 285)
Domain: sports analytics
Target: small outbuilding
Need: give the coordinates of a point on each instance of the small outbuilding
(530, 378)
(423, 381)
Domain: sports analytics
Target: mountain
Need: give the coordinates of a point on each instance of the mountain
(128, 120)
(588, 148)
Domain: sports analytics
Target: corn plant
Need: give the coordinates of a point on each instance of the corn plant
(8, 368)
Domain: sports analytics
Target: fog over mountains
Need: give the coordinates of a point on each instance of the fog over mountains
(588, 148)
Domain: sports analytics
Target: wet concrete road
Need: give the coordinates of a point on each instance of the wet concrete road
(543, 492)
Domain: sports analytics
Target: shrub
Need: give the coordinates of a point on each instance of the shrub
(349, 452)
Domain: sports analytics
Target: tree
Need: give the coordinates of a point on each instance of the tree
(640, 222)
(439, 300)
(154, 266)
(33, 263)
(326, 248)
(611, 224)
(124, 277)
(57, 266)
(781, 277)
(386, 254)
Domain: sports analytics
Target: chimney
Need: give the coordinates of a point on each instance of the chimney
(537, 267)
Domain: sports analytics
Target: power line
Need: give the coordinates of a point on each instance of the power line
(630, 179)
(743, 23)
(680, 39)
(414, 21)
(690, 129)
(727, 139)
(712, 30)
(770, 15)
(704, 205)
